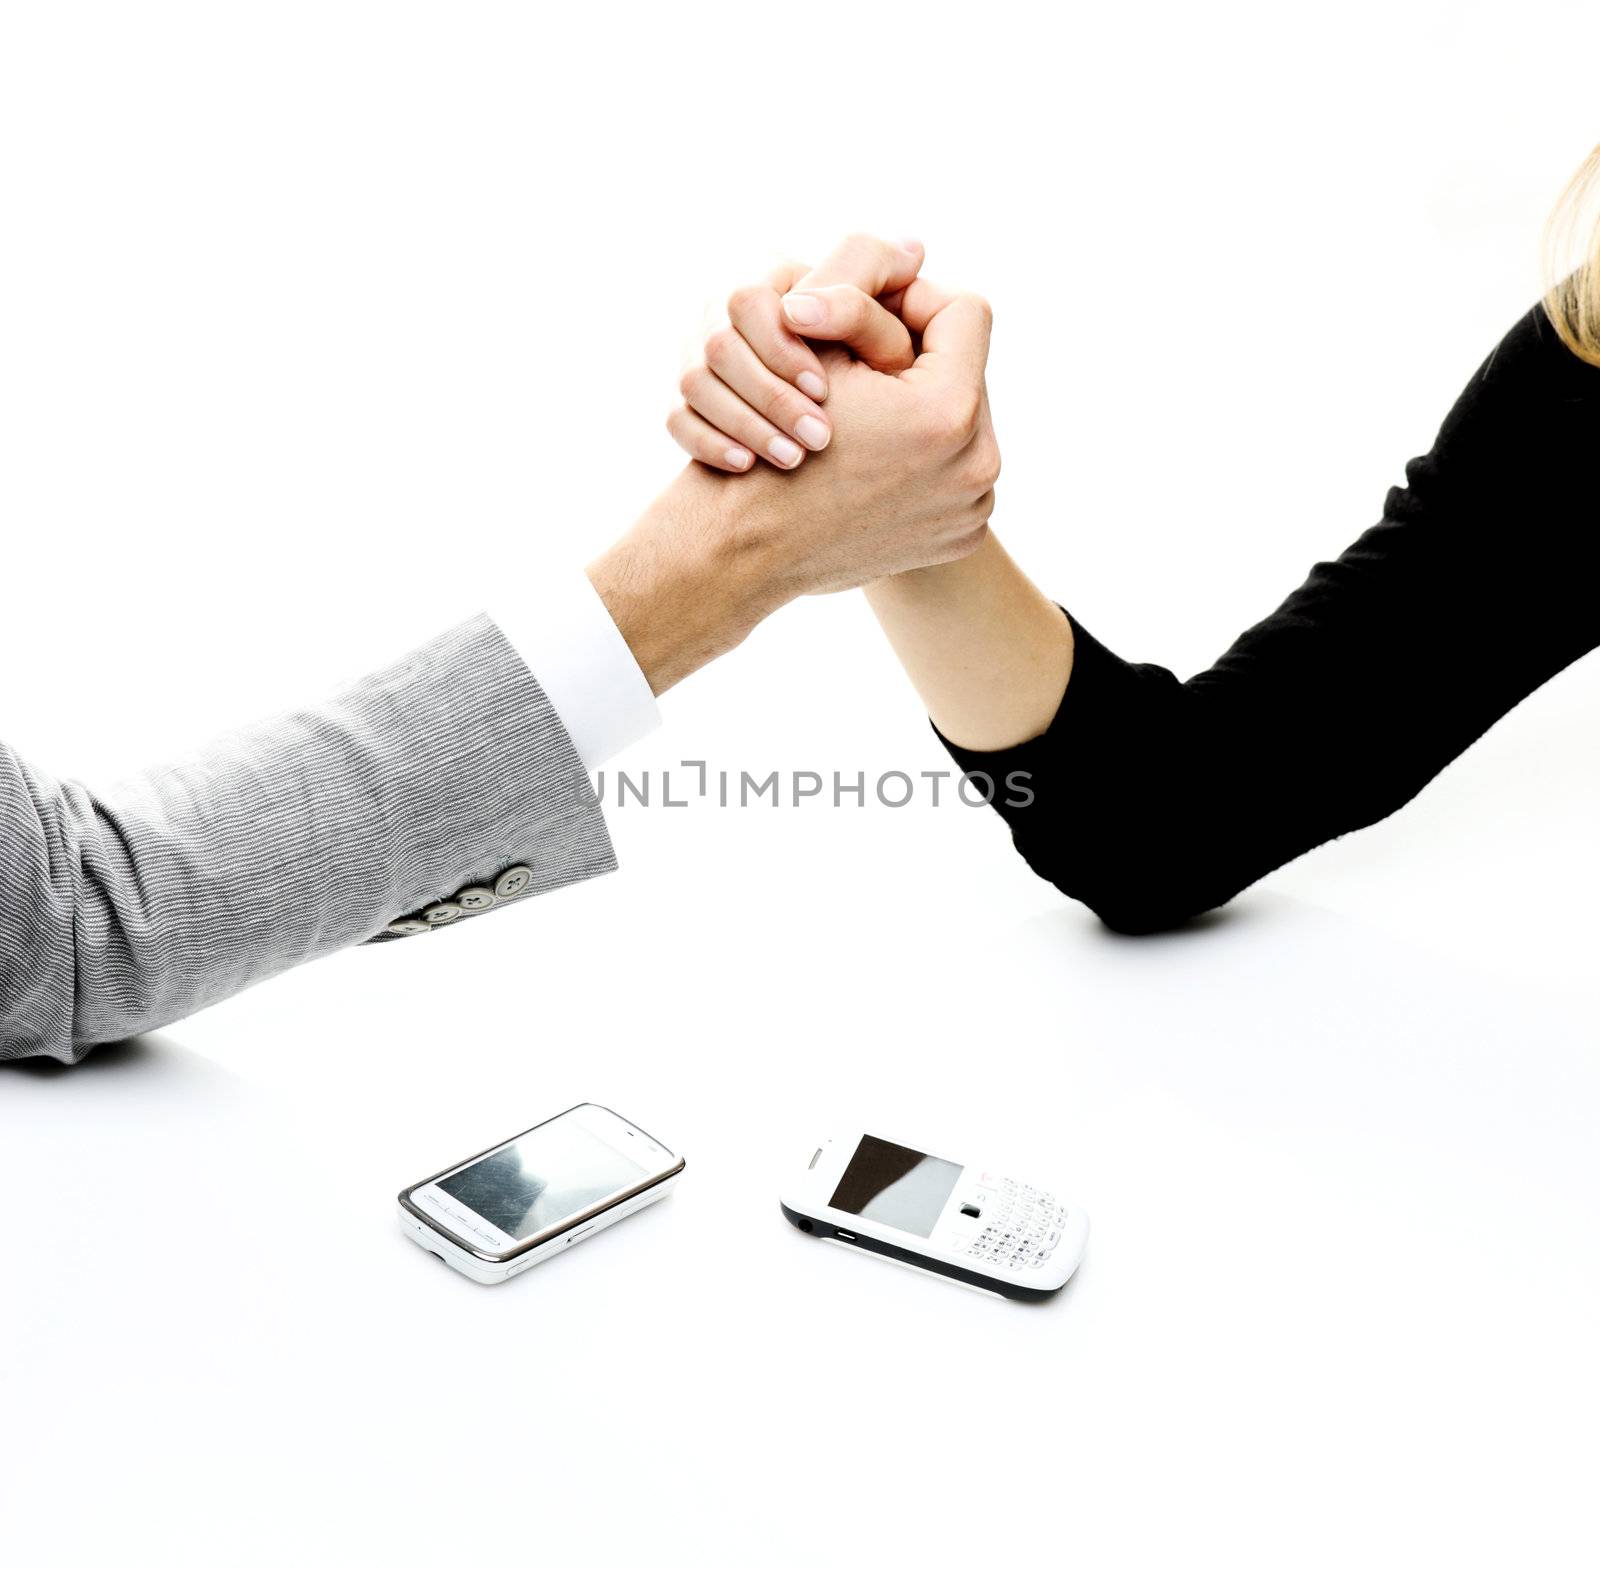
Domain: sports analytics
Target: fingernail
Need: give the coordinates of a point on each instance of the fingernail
(915, 247)
(810, 383)
(812, 432)
(802, 309)
(783, 451)
(738, 458)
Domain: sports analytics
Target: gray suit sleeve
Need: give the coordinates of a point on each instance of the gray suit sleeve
(123, 910)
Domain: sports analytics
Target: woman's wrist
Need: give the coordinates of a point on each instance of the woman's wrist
(989, 655)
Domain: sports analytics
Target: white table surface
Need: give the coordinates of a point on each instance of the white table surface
(326, 325)
(1338, 1304)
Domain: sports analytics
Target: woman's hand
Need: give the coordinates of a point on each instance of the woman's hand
(989, 653)
(759, 389)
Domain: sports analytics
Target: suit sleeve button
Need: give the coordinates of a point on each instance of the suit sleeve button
(512, 881)
(438, 914)
(406, 926)
(474, 899)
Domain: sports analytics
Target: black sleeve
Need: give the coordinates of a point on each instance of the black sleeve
(1152, 799)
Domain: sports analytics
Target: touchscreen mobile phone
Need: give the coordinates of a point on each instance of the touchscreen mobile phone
(537, 1194)
(971, 1223)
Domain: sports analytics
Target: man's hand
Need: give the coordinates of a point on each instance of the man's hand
(878, 330)
(909, 482)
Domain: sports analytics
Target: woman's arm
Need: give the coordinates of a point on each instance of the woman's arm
(989, 655)
(1153, 799)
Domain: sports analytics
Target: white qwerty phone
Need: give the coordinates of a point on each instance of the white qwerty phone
(969, 1223)
(534, 1195)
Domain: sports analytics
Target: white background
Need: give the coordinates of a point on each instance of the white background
(323, 325)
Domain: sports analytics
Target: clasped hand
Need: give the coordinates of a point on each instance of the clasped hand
(841, 435)
(878, 425)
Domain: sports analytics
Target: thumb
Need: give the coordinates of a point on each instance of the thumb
(841, 313)
(955, 331)
(874, 266)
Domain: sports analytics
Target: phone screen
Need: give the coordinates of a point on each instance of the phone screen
(896, 1186)
(551, 1172)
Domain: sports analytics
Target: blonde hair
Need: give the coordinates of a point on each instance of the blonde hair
(1572, 263)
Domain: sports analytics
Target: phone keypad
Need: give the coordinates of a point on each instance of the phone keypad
(1022, 1228)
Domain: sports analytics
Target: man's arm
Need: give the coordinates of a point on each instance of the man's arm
(126, 908)
(446, 784)
(441, 787)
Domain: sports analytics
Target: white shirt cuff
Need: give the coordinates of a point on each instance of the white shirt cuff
(566, 637)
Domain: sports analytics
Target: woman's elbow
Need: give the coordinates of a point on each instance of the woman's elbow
(1135, 896)
(1141, 916)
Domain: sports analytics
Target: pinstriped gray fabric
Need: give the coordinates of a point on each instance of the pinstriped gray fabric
(281, 842)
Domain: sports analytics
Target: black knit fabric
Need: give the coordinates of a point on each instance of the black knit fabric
(1154, 799)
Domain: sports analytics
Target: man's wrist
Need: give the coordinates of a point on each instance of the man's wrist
(688, 582)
